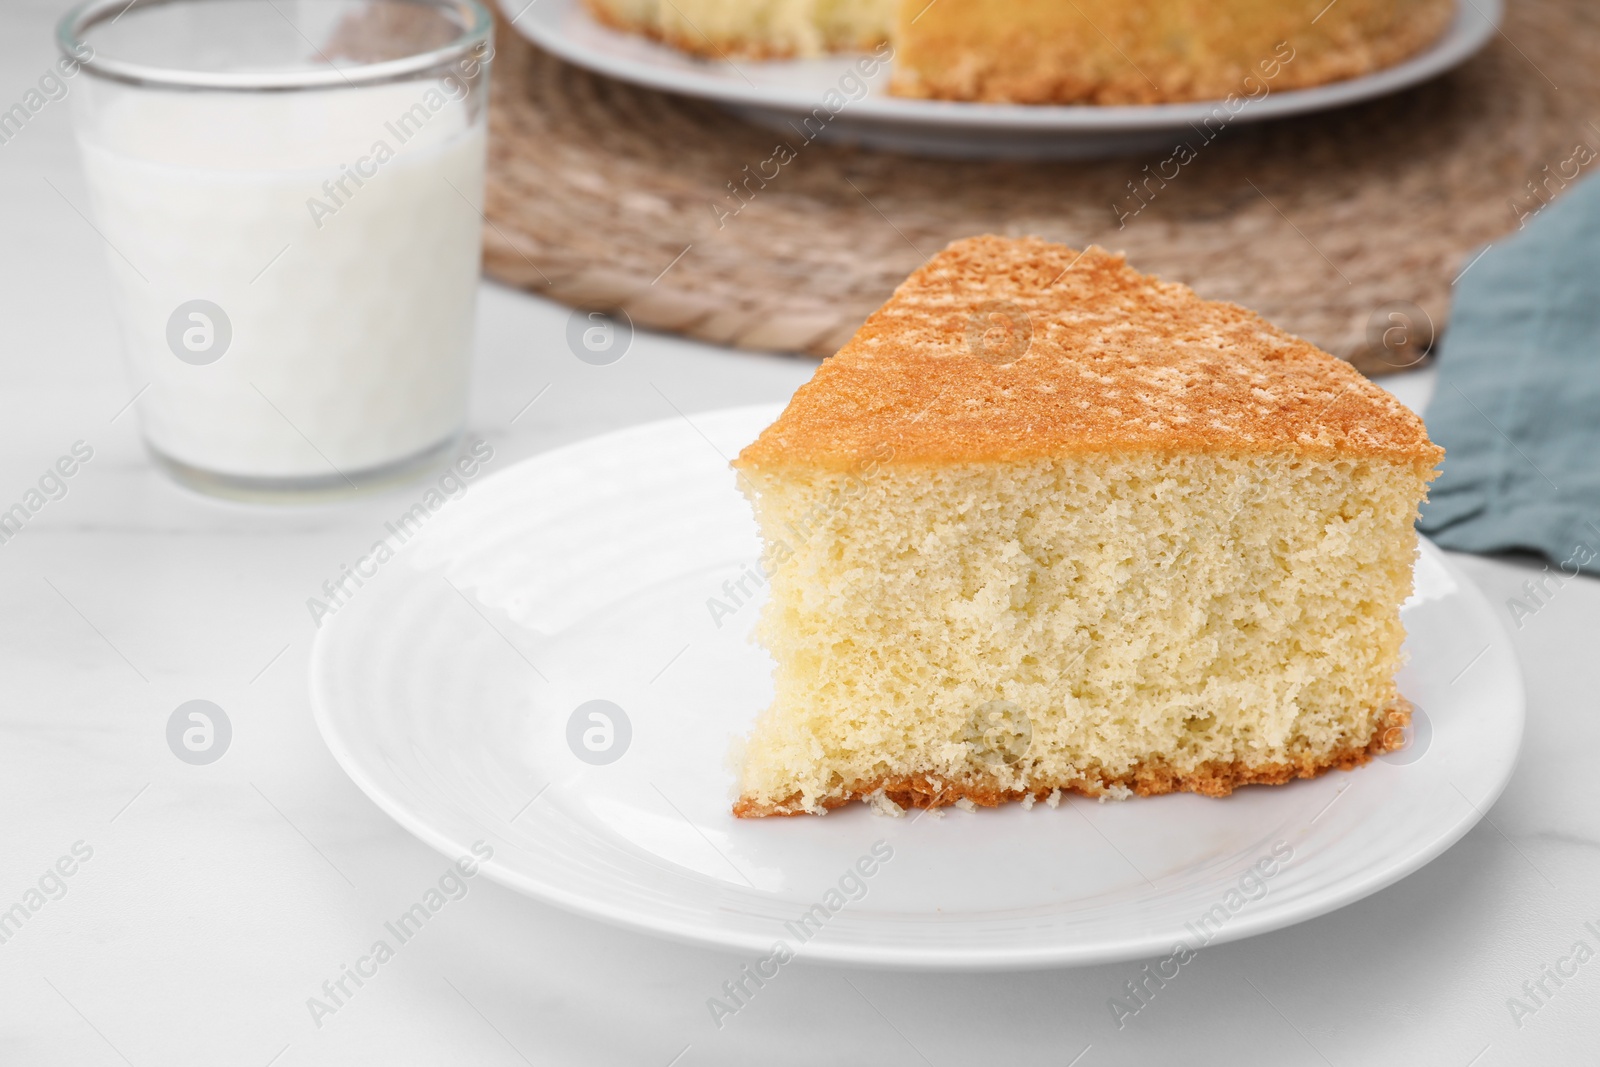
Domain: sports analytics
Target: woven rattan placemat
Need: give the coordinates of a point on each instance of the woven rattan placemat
(603, 195)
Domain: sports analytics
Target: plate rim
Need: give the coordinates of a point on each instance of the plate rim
(912, 957)
(1474, 24)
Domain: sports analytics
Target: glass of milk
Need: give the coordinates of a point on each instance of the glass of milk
(290, 194)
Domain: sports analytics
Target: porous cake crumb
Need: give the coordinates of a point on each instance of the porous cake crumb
(882, 805)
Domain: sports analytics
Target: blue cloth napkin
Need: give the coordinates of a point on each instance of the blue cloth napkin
(1517, 407)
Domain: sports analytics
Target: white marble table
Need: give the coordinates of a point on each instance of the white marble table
(218, 899)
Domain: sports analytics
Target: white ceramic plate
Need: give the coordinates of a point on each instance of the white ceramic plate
(775, 93)
(445, 688)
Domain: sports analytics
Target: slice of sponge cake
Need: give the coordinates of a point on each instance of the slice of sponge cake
(1047, 523)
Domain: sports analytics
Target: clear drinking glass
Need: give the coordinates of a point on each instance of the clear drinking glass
(290, 193)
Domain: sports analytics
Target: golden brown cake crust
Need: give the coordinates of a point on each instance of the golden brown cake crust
(1150, 51)
(1149, 778)
(1009, 350)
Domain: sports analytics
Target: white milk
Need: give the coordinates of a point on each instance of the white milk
(350, 305)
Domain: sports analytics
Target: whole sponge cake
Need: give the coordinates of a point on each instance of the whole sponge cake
(1058, 52)
(1047, 523)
